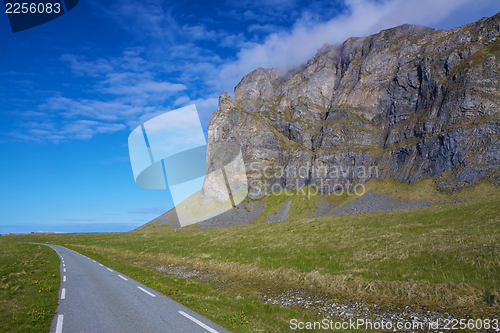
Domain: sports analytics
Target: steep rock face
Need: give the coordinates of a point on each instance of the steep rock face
(408, 103)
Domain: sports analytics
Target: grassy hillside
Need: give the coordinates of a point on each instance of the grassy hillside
(447, 251)
(442, 258)
(305, 202)
(425, 190)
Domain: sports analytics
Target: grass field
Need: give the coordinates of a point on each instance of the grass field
(304, 200)
(442, 258)
(29, 287)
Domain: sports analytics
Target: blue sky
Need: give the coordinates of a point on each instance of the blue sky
(74, 88)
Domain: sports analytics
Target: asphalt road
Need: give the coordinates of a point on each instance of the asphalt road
(95, 298)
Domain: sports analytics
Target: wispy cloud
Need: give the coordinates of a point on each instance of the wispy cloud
(141, 87)
(92, 68)
(155, 20)
(60, 131)
(150, 18)
(263, 11)
(363, 17)
(127, 91)
(178, 64)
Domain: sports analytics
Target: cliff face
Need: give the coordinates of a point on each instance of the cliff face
(408, 103)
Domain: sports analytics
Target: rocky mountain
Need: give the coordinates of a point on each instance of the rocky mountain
(409, 103)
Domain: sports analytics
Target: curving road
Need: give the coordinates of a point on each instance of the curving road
(95, 298)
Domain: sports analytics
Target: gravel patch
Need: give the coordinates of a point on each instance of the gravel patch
(248, 212)
(244, 213)
(325, 307)
(334, 309)
(282, 214)
(372, 203)
(323, 208)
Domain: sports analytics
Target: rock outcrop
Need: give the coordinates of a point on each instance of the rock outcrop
(408, 103)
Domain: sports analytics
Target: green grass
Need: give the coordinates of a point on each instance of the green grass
(29, 287)
(245, 313)
(425, 190)
(304, 199)
(444, 258)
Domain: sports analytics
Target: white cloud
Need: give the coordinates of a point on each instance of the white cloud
(150, 18)
(145, 87)
(365, 17)
(154, 19)
(205, 106)
(266, 11)
(131, 88)
(91, 68)
(93, 109)
(130, 61)
(56, 132)
(85, 129)
(127, 92)
(199, 32)
(233, 41)
(276, 4)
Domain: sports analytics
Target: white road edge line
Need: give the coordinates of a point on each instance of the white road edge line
(109, 269)
(147, 292)
(101, 265)
(64, 278)
(59, 324)
(63, 293)
(64, 269)
(123, 278)
(208, 328)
